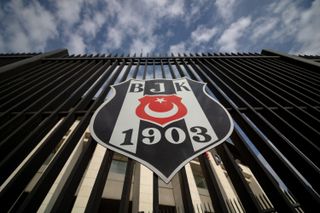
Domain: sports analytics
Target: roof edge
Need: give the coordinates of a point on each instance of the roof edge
(292, 58)
(14, 67)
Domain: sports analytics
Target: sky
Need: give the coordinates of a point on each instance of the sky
(160, 26)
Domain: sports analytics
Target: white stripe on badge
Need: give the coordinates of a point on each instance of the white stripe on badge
(197, 123)
(127, 120)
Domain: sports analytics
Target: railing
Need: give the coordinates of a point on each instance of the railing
(275, 105)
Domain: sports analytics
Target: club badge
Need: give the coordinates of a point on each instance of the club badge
(161, 123)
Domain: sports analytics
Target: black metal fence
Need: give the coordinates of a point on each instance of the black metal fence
(273, 99)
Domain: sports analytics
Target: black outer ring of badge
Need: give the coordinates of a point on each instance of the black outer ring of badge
(145, 163)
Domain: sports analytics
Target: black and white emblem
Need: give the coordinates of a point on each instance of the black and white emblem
(161, 123)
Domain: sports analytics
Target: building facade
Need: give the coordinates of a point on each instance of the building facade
(50, 163)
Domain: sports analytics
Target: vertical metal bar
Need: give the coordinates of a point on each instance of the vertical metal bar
(308, 147)
(162, 69)
(137, 69)
(23, 147)
(93, 107)
(278, 134)
(27, 171)
(171, 70)
(18, 134)
(36, 98)
(266, 180)
(155, 193)
(20, 66)
(264, 177)
(184, 185)
(125, 75)
(153, 69)
(265, 81)
(305, 104)
(308, 116)
(125, 195)
(61, 71)
(218, 202)
(96, 193)
(213, 187)
(145, 68)
(12, 87)
(292, 77)
(181, 73)
(240, 184)
(20, 77)
(314, 66)
(97, 189)
(51, 89)
(185, 191)
(292, 68)
(64, 201)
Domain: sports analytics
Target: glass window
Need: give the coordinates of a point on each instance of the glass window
(200, 181)
(118, 167)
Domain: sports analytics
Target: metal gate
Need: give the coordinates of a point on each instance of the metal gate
(47, 100)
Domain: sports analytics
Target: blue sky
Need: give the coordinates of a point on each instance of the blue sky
(160, 26)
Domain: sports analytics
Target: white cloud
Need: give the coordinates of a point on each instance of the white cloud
(174, 8)
(138, 22)
(115, 38)
(113, 8)
(228, 41)
(308, 33)
(27, 26)
(68, 12)
(118, 25)
(38, 22)
(91, 26)
(93, 3)
(279, 6)
(196, 10)
(19, 41)
(143, 45)
(165, 8)
(76, 44)
(225, 8)
(1, 43)
(298, 24)
(203, 34)
(177, 48)
(129, 20)
(263, 27)
(169, 34)
(200, 40)
(80, 22)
